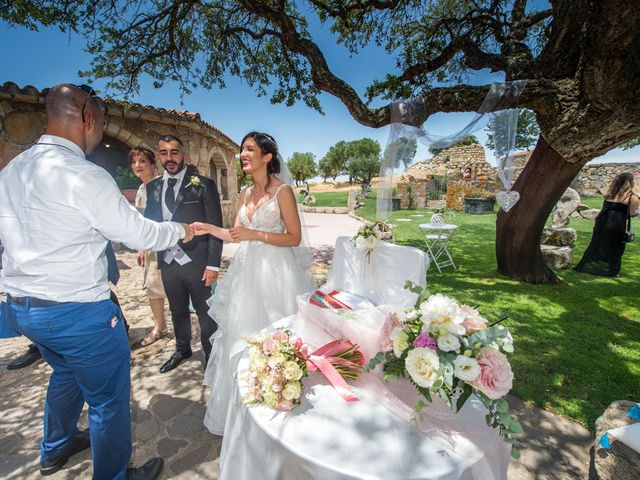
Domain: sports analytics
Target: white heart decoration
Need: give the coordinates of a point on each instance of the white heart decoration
(507, 199)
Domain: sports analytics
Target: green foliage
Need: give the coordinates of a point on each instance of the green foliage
(527, 131)
(125, 178)
(466, 140)
(334, 163)
(363, 160)
(631, 144)
(302, 166)
(363, 169)
(269, 45)
(400, 152)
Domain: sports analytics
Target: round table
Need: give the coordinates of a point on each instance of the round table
(438, 242)
(329, 438)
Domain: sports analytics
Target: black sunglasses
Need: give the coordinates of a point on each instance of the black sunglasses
(90, 93)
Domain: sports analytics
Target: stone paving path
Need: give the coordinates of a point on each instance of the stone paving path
(167, 409)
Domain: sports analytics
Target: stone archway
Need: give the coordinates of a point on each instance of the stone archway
(111, 154)
(218, 172)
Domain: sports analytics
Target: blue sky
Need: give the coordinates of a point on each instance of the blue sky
(49, 57)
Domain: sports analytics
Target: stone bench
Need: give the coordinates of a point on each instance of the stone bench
(618, 462)
(308, 209)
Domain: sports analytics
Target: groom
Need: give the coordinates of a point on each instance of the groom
(189, 269)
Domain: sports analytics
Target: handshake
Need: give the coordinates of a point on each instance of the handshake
(234, 234)
(191, 230)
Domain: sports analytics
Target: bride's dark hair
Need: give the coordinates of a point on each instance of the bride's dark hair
(267, 144)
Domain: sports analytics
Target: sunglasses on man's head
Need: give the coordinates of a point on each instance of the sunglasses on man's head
(90, 93)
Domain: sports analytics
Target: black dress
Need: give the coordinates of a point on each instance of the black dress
(604, 254)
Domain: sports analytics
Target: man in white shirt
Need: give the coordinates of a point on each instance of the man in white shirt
(57, 213)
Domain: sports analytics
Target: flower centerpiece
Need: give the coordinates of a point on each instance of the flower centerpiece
(370, 235)
(449, 351)
(278, 362)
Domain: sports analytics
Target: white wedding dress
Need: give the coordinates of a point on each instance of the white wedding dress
(259, 288)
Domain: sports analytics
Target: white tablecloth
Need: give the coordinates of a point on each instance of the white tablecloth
(381, 277)
(328, 438)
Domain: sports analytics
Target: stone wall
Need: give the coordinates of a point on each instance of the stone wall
(592, 179)
(19, 129)
(413, 194)
(595, 179)
(453, 161)
(22, 121)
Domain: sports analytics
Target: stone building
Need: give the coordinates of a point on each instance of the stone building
(22, 121)
(593, 179)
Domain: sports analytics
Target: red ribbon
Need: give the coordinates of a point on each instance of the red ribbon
(323, 359)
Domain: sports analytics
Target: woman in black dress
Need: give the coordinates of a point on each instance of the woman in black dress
(604, 254)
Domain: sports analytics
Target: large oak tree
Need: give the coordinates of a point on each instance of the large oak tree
(581, 57)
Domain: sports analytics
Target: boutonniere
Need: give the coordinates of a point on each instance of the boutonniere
(195, 181)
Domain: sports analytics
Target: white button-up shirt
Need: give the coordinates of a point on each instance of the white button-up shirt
(57, 211)
(166, 213)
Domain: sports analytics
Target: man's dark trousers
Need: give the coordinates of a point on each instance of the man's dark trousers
(180, 283)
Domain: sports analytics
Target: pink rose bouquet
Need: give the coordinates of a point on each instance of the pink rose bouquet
(276, 369)
(278, 362)
(448, 350)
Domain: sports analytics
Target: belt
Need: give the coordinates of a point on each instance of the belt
(32, 301)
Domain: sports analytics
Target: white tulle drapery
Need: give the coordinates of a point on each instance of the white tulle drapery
(303, 252)
(403, 136)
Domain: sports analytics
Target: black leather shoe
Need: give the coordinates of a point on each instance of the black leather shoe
(149, 471)
(79, 442)
(174, 361)
(32, 355)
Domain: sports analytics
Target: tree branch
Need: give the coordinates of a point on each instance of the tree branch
(536, 17)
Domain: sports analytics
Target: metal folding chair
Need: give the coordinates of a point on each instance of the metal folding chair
(438, 239)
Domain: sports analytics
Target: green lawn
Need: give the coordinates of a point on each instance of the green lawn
(577, 344)
(329, 199)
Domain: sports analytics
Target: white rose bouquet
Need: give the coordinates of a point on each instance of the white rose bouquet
(370, 235)
(449, 351)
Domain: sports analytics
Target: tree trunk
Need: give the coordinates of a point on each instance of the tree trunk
(541, 184)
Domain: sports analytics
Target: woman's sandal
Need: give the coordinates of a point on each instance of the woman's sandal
(153, 336)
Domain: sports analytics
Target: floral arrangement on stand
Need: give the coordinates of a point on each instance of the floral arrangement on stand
(278, 362)
(370, 235)
(449, 351)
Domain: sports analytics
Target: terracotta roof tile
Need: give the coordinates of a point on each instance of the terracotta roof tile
(31, 94)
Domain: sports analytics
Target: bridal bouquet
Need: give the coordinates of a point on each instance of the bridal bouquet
(449, 351)
(276, 368)
(371, 234)
(278, 362)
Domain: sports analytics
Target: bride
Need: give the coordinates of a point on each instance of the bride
(265, 277)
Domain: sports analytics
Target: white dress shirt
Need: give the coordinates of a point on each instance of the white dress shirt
(57, 211)
(166, 213)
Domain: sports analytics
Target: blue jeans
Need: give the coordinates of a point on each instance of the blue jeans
(86, 345)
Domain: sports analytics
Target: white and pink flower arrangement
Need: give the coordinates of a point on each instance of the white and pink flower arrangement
(448, 350)
(370, 235)
(278, 361)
